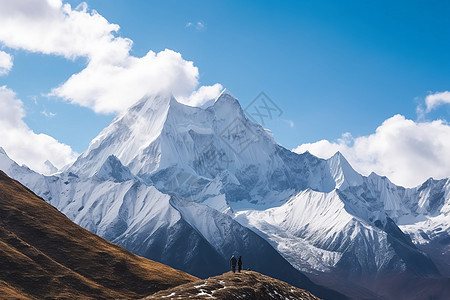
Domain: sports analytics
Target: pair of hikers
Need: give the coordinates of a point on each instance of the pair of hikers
(234, 261)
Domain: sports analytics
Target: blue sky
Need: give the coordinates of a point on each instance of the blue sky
(331, 66)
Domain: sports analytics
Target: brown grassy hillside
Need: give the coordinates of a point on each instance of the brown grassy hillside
(45, 255)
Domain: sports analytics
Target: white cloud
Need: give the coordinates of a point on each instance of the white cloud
(405, 151)
(22, 144)
(51, 27)
(202, 95)
(113, 79)
(6, 63)
(434, 100)
(322, 148)
(199, 26)
(289, 122)
(110, 88)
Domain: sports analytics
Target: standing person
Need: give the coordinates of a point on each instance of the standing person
(240, 264)
(233, 264)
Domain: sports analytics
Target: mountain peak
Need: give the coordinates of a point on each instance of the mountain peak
(226, 96)
(151, 102)
(338, 155)
(227, 107)
(51, 169)
(343, 173)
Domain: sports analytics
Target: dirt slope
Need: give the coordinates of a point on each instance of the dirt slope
(45, 255)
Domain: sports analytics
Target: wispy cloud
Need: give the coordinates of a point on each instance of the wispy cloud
(289, 122)
(199, 26)
(48, 114)
(432, 101)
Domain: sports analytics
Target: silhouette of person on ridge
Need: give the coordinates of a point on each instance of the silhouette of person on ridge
(233, 263)
(239, 264)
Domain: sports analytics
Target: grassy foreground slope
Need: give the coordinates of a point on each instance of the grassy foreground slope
(45, 255)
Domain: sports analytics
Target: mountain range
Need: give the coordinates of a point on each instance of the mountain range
(190, 186)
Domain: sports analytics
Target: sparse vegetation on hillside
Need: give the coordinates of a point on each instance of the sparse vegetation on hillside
(230, 286)
(45, 255)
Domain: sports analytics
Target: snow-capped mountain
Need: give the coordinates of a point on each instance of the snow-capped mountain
(190, 186)
(166, 143)
(36, 182)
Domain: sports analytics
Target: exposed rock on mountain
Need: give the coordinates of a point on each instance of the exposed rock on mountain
(230, 286)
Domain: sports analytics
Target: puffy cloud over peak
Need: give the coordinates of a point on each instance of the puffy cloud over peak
(405, 151)
(110, 88)
(202, 95)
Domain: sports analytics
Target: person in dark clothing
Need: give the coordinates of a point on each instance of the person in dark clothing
(240, 264)
(233, 264)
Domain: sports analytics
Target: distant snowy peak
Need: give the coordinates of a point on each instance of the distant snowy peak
(51, 169)
(434, 197)
(31, 179)
(12, 169)
(343, 173)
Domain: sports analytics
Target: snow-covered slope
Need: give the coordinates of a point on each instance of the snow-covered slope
(428, 204)
(323, 231)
